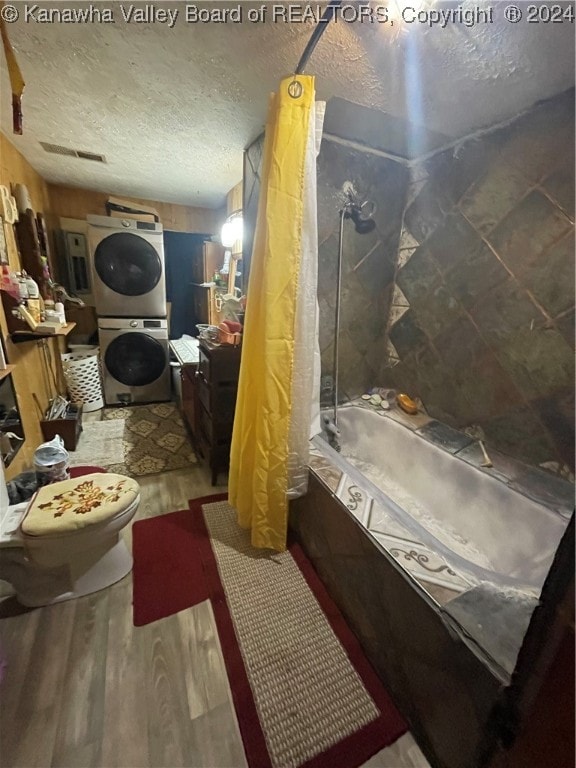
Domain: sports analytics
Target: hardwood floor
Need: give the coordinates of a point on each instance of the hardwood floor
(83, 687)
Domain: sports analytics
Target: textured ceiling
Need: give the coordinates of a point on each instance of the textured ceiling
(173, 108)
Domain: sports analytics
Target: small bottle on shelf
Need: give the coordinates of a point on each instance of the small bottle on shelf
(22, 285)
(59, 309)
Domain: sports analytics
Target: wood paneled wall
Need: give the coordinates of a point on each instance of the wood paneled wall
(15, 169)
(234, 203)
(78, 203)
(32, 374)
(234, 199)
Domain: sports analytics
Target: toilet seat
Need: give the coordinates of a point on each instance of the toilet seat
(70, 506)
(66, 542)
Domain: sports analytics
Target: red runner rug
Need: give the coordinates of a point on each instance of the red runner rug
(168, 576)
(175, 567)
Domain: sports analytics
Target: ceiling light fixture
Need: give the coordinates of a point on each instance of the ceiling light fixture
(232, 229)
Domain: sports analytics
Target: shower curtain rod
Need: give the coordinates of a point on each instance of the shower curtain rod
(327, 17)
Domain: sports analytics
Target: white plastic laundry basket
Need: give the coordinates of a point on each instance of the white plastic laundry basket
(82, 373)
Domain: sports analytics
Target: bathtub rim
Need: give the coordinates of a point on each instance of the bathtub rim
(562, 511)
(477, 572)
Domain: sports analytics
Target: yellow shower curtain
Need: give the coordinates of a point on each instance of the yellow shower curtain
(260, 451)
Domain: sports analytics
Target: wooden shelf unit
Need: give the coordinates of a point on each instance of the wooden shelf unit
(207, 258)
(6, 371)
(19, 330)
(18, 337)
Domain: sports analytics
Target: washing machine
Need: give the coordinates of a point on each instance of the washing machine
(135, 360)
(127, 258)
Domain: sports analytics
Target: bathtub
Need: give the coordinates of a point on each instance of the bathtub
(412, 490)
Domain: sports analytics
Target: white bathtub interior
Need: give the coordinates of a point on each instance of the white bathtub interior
(476, 516)
(499, 542)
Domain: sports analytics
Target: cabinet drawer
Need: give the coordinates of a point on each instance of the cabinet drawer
(219, 365)
(224, 403)
(203, 392)
(204, 365)
(189, 415)
(219, 400)
(205, 425)
(187, 378)
(216, 432)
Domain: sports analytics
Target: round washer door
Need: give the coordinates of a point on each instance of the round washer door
(127, 264)
(135, 359)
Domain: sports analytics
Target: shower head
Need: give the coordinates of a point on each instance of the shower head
(361, 224)
(363, 221)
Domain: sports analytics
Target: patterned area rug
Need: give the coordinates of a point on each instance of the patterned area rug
(101, 444)
(305, 695)
(155, 439)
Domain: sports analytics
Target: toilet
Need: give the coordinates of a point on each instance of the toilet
(65, 542)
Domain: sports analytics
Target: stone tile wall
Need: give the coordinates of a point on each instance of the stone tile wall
(369, 260)
(368, 263)
(481, 324)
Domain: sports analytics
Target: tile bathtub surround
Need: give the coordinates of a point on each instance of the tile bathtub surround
(486, 265)
(449, 439)
(369, 260)
(426, 567)
(368, 263)
(326, 471)
(354, 499)
(443, 689)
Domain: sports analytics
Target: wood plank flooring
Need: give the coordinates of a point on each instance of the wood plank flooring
(83, 687)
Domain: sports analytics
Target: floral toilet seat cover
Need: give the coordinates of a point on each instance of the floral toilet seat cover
(69, 505)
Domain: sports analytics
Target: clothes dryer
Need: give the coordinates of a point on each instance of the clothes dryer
(135, 360)
(127, 258)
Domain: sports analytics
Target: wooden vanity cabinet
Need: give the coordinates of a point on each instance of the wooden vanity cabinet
(216, 386)
(188, 381)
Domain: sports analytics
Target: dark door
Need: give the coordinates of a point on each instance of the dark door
(135, 359)
(180, 250)
(127, 264)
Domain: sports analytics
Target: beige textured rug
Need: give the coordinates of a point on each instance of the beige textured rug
(308, 694)
(100, 444)
(155, 439)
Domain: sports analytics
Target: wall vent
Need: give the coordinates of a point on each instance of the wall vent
(56, 149)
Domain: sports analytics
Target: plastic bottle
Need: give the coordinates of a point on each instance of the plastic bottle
(22, 286)
(59, 309)
(33, 290)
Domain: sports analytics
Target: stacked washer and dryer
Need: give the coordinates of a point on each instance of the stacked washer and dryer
(130, 295)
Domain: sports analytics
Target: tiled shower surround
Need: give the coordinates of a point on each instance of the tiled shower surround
(481, 326)
(369, 260)
(368, 263)
(463, 295)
